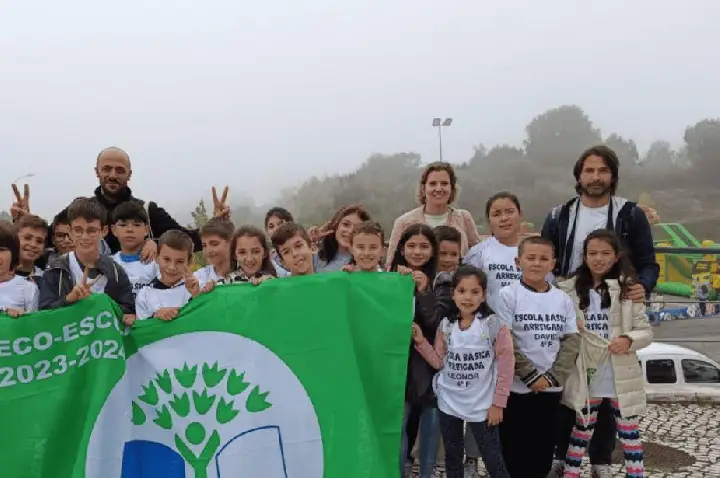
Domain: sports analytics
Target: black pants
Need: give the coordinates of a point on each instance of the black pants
(527, 433)
(412, 427)
(488, 441)
(602, 443)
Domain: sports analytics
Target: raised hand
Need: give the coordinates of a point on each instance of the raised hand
(192, 284)
(21, 206)
(220, 207)
(417, 333)
(317, 233)
(421, 280)
(81, 290)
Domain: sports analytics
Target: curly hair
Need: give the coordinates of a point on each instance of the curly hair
(432, 168)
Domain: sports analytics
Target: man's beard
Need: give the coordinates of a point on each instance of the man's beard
(595, 192)
(112, 194)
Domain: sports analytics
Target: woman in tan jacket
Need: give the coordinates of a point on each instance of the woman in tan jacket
(612, 330)
(438, 190)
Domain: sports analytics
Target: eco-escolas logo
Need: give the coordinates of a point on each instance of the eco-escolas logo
(206, 405)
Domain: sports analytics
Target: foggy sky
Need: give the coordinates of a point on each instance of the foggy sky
(262, 95)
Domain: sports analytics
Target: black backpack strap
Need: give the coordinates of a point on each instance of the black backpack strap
(565, 241)
(146, 204)
(625, 221)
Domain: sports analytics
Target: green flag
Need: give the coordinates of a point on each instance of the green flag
(301, 377)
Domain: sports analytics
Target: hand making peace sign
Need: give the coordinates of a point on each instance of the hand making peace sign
(220, 208)
(317, 233)
(21, 206)
(83, 289)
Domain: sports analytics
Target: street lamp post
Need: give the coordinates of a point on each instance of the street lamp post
(438, 123)
(24, 176)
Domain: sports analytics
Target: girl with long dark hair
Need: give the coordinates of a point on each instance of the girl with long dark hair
(612, 329)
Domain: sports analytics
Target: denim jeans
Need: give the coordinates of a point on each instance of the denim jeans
(428, 439)
(487, 439)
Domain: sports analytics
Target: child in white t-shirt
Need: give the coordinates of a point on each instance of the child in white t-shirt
(496, 255)
(251, 253)
(613, 330)
(473, 353)
(542, 320)
(166, 295)
(367, 246)
(274, 218)
(32, 233)
(18, 294)
(215, 235)
(131, 225)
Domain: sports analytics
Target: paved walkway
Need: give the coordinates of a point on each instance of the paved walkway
(681, 441)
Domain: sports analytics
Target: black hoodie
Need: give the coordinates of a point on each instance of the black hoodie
(160, 220)
(58, 281)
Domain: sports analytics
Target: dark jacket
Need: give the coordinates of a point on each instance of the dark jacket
(418, 386)
(631, 227)
(430, 308)
(58, 281)
(160, 220)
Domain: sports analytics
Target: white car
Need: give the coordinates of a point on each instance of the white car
(675, 373)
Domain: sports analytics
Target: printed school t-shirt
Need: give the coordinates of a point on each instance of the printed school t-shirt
(157, 296)
(589, 219)
(597, 321)
(537, 320)
(98, 286)
(19, 293)
(498, 262)
(140, 274)
(207, 274)
(465, 386)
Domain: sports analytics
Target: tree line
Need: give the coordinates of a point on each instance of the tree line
(678, 183)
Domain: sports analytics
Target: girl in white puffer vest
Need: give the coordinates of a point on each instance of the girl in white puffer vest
(613, 330)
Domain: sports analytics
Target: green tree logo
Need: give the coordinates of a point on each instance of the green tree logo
(182, 401)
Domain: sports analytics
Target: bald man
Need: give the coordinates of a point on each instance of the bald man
(113, 171)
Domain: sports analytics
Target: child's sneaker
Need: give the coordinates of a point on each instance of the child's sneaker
(601, 471)
(471, 468)
(439, 471)
(557, 470)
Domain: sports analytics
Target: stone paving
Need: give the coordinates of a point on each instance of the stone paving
(681, 441)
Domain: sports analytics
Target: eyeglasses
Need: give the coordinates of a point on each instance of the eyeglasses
(89, 232)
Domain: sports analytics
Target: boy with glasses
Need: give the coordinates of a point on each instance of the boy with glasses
(62, 242)
(76, 275)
